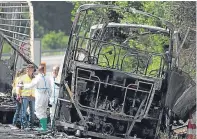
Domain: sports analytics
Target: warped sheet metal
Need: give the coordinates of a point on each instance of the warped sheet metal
(6, 76)
(16, 32)
(180, 92)
(185, 103)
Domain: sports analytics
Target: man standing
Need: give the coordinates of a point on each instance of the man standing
(28, 98)
(42, 87)
(16, 93)
(55, 92)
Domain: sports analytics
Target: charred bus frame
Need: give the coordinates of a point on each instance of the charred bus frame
(103, 99)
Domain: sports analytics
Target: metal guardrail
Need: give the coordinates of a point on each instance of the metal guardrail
(5, 54)
(53, 51)
(42, 51)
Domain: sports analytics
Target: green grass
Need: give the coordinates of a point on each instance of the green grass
(6, 48)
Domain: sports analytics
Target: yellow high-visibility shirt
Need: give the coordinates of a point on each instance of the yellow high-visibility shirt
(15, 90)
(26, 92)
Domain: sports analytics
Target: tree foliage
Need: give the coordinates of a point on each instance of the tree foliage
(53, 15)
(181, 14)
(141, 42)
(39, 30)
(52, 23)
(54, 40)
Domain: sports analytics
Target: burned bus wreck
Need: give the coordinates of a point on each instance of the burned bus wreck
(16, 36)
(113, 80)
(8, 68)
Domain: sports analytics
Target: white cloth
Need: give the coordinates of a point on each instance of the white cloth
(52, 112)
(42, 87)
(55, 91)
(53, 97)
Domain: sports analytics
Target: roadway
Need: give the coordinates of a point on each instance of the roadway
(51, 61)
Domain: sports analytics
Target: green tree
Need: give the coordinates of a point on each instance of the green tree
(54, 40)
(181, 14)
(127, 17)
(53, 15)
(38, 30)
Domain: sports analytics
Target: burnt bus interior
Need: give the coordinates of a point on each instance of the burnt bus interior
(115, 68)
(8, 66)
(14, 34)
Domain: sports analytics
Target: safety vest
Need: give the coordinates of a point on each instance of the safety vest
(26, 92)
(14, 92)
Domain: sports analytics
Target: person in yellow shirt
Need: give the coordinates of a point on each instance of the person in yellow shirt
(16, 94)
(28, 98)
(42, 86)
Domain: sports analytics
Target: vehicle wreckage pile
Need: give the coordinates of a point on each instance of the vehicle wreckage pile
(117, 80)
(15, 32)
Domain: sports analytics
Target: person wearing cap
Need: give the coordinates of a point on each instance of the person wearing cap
(55, 92)
(28, 98)
(42, 86)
